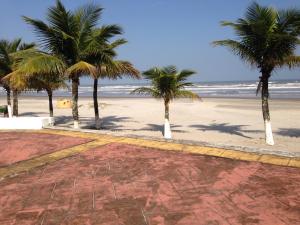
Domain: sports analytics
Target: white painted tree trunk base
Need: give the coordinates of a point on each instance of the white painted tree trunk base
(76, 124)
(98, 123)
(268, 131)
(167, 130)
(9, 111)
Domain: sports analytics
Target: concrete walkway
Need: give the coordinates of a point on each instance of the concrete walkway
(101, 179)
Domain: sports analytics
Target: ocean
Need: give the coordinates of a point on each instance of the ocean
(282, 89)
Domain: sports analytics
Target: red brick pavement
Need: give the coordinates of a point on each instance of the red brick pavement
(18, 146)
(130, 185)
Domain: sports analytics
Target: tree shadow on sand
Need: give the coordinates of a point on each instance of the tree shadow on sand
(107, 123)
(289, 132)
(35, 114)
(67, 121)
(112, 122)
(226, 128)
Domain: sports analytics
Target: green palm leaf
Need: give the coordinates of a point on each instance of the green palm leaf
(81, 68)
(167, 83)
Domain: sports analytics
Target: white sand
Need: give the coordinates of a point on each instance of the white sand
(230, 122)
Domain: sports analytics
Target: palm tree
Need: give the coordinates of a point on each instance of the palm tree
(41, 82)
(167, 83)
(37, 70)
(112, 70)
(105, 64)
(8, 65)
(48, 83)
(72, 36)
(68, 36)
(267, 39)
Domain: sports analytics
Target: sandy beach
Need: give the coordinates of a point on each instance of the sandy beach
(220, 121)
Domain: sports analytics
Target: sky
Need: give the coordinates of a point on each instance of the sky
(161, 32)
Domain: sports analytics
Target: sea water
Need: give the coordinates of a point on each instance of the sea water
(286, 89)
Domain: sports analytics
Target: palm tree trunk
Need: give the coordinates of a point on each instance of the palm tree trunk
(49, 92)
(265, 109)
(7, 89)
(75, 84)
(15, 103)
(96, 108)
(167, 128)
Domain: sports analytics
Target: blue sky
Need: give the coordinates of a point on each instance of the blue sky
(161, 32)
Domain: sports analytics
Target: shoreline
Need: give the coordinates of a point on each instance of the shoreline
(2, 98)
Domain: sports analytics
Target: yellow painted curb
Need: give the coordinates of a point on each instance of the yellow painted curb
(275, 160)
(294, 163)
(103, 139)
(231, 154)
(218, 152)
(249, 156)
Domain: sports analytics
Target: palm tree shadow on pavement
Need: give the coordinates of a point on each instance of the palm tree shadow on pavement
(226, 128)
(289, 132)
(156, 127)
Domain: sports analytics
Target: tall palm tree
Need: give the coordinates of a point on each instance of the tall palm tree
(8, 65)
(111, 70)
(267, 39)
(167, 83)
(105, 64)
(67, 35)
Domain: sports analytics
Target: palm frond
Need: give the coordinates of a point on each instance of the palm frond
(81, 68)
(116, 69)
(10, 54)
(46, 82)
(288, 19)
(184, 74)
(147, 91)
(41, 64)
(245, 53)
(106, 32)
(46, 35)
(152, 73)
(168, 83)
(117, 43)
(186, 94)
(25, 46)
(185, 84)
(25, 54)
(16, 80)
(291, 61)
(169, 69)
(4, 51)
(88, 15)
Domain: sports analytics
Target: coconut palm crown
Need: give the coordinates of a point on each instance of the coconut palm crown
(167, 83)
(72, 37)
(266, 39)
(8, 64)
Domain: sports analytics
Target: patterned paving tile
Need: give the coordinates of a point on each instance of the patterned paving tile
(126, 184)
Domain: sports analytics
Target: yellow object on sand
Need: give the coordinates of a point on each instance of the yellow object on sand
(64, 104)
